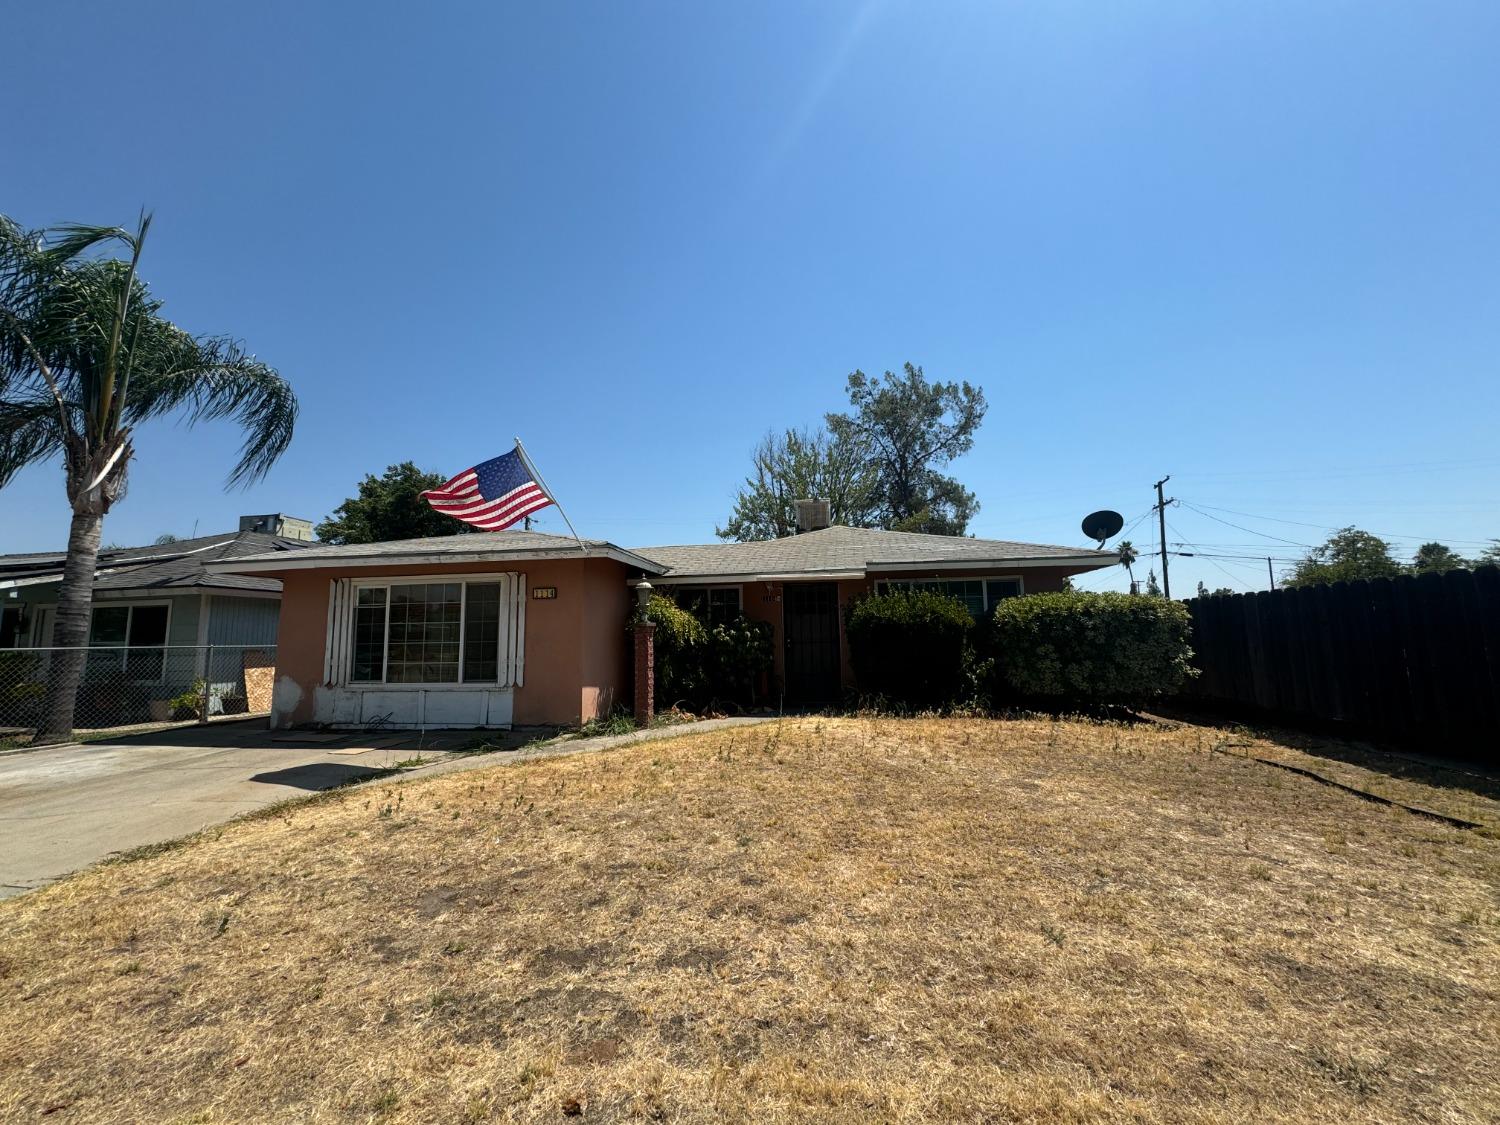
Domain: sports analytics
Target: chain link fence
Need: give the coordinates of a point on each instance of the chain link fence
(137, 686)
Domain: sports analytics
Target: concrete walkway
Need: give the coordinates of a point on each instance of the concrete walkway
(66, 807)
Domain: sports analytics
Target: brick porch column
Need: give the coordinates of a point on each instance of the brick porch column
(645, 673)
(645, 657)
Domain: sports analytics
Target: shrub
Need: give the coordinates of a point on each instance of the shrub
(186, 705)
(908, 646)
(1092, 648)
(680, 643)
(740, 652)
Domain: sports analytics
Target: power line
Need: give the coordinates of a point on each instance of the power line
(1220, 569)
(1330, 527)
(1250, 530)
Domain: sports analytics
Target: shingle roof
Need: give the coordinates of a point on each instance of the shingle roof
(479, 546)
(833, 550)
(840, 550)
(176, 565)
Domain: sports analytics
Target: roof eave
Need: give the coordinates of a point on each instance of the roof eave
(1082, 562)
(700, 578)
(456, 558)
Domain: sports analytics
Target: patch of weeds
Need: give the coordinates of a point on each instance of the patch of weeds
(151, 851)
(1363, 1078)
(408, 763)
(1053, 934)
(1259, 871)
(618, 723)
(530, 1073)
(386, 1102)
(128, 969)
(454, 948)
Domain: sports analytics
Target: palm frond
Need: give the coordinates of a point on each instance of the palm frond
(88, 326)
(29, 433)
(213, 378)
(72, 240)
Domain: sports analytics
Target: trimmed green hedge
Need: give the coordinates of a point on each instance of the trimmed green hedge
(1092, 648)
(908, 646)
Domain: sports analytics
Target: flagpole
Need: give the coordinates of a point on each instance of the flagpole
(521, 449)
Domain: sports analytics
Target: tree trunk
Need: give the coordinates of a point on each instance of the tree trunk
(70, 630)
(95, 480)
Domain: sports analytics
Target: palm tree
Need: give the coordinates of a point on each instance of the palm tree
(85, 358)
(1128, 555)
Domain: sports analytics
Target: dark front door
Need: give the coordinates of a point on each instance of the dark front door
(811, 625)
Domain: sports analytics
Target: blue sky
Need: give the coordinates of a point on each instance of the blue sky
(1254, 246)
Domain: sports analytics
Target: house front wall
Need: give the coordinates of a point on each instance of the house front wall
(763, 601)
(182, 617)
(574, 644)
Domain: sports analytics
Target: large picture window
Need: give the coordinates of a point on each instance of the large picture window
(427, 633)
(980, 595)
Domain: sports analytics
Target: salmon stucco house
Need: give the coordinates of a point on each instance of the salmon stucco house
(518, 627)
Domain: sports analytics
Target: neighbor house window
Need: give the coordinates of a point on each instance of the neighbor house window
(712, 605)
(980, 595)
(10, 626)
(427, 633)
(140, 634)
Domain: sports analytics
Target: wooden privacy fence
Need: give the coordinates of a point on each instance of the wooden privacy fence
(1416, 659)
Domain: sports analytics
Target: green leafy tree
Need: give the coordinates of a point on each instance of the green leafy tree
(1153, 587)
(1349, 555)
(1205, 592)
(796, 465)
(1490, 556)
(85, 358)
(388, 507)
(1437, 558)
(908, 429)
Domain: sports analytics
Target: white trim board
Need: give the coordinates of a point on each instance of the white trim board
(256, 565)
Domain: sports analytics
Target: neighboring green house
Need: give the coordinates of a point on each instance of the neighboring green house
(161, 621)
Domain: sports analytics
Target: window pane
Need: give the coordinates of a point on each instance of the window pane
(369, 636)
(482, 634)
(148, 625)
(424, 620)
(723, 606)
(970, 592)
(695, 601)
(1001, 588)
(109, 625)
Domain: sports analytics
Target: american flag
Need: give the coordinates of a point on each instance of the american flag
(493, 494)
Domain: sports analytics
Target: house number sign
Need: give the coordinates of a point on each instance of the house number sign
(544, 593)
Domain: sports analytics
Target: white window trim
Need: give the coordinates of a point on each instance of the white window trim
(342, 614)
(166, 637)
(989, 604)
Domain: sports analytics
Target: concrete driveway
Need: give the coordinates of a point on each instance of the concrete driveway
(62, 809)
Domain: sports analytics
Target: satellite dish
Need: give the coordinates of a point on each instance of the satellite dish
(1103, 525)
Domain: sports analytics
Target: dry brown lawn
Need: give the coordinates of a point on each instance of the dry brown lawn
(817, 920)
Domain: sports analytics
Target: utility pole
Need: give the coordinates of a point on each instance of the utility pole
(1270, 573)
(1161, 523)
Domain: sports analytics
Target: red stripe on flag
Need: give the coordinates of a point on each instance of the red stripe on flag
(520, 507)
